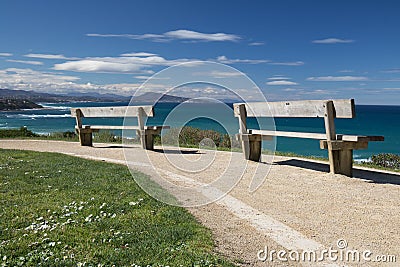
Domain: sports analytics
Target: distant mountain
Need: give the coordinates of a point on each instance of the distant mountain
(56, 98)
(151, 97)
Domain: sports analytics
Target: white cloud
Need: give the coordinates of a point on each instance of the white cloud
(5, 54)
(392, 89)
(30, 62)
(124, 64)
(225, 74)
(256, 43)
(142, 77)
(138, 54)
(295, 63)
(187, 35)
(50, 56)
(278, 77)
(50, 82)
(392, 71)
(281, 82)
(337, 78)
(225, 60)
(192, 35)
(346, 71)
(332, 41)
(290, 90)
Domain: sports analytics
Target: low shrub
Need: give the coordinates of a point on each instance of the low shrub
(106, 137)
(190, 136)
(386, 160)
(13, 133)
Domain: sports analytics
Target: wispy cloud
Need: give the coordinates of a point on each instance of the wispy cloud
(337, 79)
(392, 89)
(138, 54)
(225, 60)
(124, 64)
(186, 35)
(282, 82)
(30, 62)
(256, 43)
(333, 41)
(225, 74)
(397, 70)
(50, 56)
(295, 63)
(5, 54)
(346, 71)
(278, 77)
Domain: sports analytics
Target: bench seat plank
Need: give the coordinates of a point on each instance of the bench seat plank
(122, 127)
(319, 136)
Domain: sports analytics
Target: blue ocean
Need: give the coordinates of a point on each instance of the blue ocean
(370, 120)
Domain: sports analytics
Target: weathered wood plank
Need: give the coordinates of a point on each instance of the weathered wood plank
(344, 108)
(318, 136)
(360, 138)
(123, 111)
(343, 145)
(111, 127)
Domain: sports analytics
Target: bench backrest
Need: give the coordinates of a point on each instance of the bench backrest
(343, 108)
(122, 111)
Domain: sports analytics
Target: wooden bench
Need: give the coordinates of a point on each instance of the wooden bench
(146, 133)
(340, 146)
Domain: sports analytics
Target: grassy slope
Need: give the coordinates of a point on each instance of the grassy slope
(59, 210)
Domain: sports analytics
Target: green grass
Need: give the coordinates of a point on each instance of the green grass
(58, 210)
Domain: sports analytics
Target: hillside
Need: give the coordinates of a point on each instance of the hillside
(56, 98)
(15, 104)
(151, 97)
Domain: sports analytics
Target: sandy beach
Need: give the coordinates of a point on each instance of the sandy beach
(299, 206)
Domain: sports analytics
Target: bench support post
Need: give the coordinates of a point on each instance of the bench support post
(147, 137)
(340, 161)
(251, 143)
(85, 137)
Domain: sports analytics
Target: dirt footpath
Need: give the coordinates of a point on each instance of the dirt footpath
(299, 207)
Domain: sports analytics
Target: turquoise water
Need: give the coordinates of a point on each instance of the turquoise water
(370, 120)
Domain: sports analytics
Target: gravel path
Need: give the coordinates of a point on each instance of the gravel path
(298, 207)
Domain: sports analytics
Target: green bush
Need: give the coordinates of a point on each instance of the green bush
(106, 137)
(69, 135)
(387, 160)
(13, 133)
(190, 136)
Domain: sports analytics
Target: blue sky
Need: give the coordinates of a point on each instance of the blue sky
(291, 49)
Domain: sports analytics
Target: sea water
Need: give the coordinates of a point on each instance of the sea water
(370, 120)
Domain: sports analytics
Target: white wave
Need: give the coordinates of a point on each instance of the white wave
(44, 105)
(35, 116)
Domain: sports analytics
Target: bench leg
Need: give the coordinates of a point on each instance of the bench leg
(147, 138)
(85, 137)
(341, 161)
(251, 146)
(149, 142)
